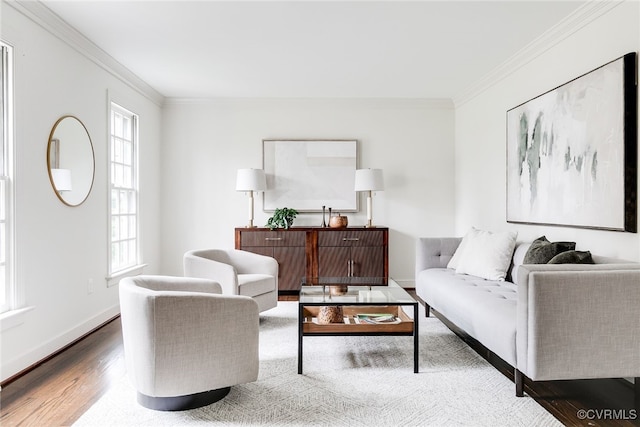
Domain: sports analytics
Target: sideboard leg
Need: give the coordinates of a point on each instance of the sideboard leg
(427, 310)
(519, 380)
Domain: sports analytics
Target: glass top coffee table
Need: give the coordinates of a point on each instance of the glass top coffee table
(341, 306)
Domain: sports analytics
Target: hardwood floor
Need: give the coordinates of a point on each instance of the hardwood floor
(58, 391)
(62, 388)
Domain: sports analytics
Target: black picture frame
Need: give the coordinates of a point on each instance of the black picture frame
(572, 152)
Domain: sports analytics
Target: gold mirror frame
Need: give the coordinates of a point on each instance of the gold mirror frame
(70, 161)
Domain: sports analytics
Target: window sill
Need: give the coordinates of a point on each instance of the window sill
(114, 278)
(13, 318)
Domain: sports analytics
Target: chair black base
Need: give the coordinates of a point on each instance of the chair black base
(182, 403)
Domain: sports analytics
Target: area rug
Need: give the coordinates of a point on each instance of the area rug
(348, 381)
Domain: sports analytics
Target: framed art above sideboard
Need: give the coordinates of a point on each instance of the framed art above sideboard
(308, 174)
(572, 152)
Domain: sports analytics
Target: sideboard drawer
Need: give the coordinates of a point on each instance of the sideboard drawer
(351, 238)
(273, 238)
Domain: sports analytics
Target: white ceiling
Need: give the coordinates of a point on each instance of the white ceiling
(398, 49)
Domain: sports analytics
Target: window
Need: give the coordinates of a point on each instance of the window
(7, 290)
(123, 201)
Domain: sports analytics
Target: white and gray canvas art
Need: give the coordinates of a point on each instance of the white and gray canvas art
(565, 154)
(306, 175)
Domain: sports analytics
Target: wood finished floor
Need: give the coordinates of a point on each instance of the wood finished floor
(60, 390)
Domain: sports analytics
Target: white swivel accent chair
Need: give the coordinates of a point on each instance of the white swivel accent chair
(185, 344)
(238, 272)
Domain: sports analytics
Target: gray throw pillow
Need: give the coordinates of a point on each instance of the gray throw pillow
(542, 250)
(572, 257)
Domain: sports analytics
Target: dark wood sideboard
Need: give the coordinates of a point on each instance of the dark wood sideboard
(319, 251)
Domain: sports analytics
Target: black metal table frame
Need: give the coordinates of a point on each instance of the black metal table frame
(301, 334)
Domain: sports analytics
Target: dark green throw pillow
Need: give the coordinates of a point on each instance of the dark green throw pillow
(572, 257)
(542, 250)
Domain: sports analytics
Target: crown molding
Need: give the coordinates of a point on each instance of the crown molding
(386, 103)
(47, 19)
(582, 16)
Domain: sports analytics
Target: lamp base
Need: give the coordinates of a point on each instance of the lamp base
(370, 211)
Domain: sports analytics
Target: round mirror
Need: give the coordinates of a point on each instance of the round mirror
(70, 160)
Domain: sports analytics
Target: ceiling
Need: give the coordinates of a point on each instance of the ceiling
(352, 49)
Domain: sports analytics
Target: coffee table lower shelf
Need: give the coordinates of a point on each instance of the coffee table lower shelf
(308, 326)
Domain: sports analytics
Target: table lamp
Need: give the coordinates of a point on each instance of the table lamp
(250, 181)
(369, 180)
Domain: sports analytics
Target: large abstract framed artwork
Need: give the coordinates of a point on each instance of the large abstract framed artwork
(572, 156)
(308, 174)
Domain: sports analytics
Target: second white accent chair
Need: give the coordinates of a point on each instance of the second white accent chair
(238, 272)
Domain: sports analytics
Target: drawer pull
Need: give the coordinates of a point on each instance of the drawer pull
(350, 239)
(272, 238)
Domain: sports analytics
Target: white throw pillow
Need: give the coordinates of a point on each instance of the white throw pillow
(459, 253)
(517, 260)
(488, 254)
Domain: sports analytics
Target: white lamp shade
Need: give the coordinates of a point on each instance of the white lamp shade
(251, 180)
(369, 180)
(62, 179)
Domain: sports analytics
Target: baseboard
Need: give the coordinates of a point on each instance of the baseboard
(406, 283)
(17, 367)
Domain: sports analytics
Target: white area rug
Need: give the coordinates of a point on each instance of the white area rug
(348, 381)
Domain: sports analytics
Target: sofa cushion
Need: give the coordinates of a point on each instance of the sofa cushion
(487, 254)
(572, 257)
(542, 250)
(485, 309)
(517, 260)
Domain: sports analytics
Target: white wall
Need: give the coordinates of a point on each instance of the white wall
(60, 249)
(187, 182)
(480, 130)
(205, 142)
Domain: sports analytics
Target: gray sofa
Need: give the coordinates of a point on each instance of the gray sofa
(550, 322)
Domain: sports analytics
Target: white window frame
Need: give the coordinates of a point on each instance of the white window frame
(9, 299)
(116, 269)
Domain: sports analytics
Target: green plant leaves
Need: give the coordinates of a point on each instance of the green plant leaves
(282, 218)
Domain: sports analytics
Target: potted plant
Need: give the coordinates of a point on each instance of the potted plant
(282, 218)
